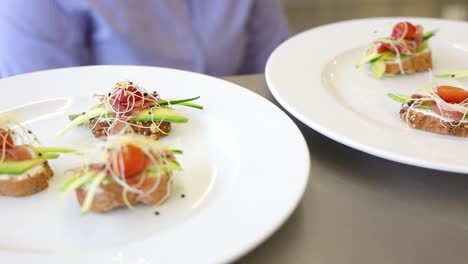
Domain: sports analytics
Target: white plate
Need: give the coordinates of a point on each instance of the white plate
(313, 76)
(245, 169)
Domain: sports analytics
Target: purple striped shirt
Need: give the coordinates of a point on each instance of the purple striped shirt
(216, 37)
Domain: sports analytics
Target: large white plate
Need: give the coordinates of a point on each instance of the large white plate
(245, 169)
(313, 76)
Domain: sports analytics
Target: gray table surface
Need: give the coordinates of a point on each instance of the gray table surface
(362, 209)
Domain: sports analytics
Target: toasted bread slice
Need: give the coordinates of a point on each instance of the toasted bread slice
(33, 181)
(416, 63)
(111, 194)
(420, 120)
(151, 129)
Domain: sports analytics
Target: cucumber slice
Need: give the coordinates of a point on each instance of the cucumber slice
(69, 181)
(53, 150)
(425, 107)
(157, 114)
(91, 192)
(177, 151)
(168, 167)
(423, 46)
(81, 119)
(175, 165)
(78, 181)
(454, 74)
(405, 99)
(376, 57)
(399, 98)
(160, 114)
(368, 58)
(378, 69)
(19, 167)
(429, 34)
(48, 155)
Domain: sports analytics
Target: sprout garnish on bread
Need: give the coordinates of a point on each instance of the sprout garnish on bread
(440, 108)
(24, 169)
(130, 169)
(405, 51)
(130, 108)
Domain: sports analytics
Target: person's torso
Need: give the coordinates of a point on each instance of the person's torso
(204, 35)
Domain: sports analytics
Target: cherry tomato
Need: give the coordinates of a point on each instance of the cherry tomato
(451, 94)
(6, 139)
(447, 114)
(132, 158)
(404, 30)
(125, 96)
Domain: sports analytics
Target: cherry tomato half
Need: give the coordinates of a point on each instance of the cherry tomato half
(452, 94)
(132, 158)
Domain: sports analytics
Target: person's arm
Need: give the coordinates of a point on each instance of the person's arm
(267, 28)
(38, 35)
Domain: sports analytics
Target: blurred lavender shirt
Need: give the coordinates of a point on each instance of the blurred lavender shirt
(216, 37)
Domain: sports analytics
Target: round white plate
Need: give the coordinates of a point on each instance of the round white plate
(313, 76)
(245, 164)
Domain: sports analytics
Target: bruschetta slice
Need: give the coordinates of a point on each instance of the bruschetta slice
(131, 169)
(406, 51)
(24, 169)
(130, 108)
(441, 110)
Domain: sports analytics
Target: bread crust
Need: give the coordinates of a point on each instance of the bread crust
(110, 195)
(27, 185)
(419, 120)
(417, 63)
(146, 128)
